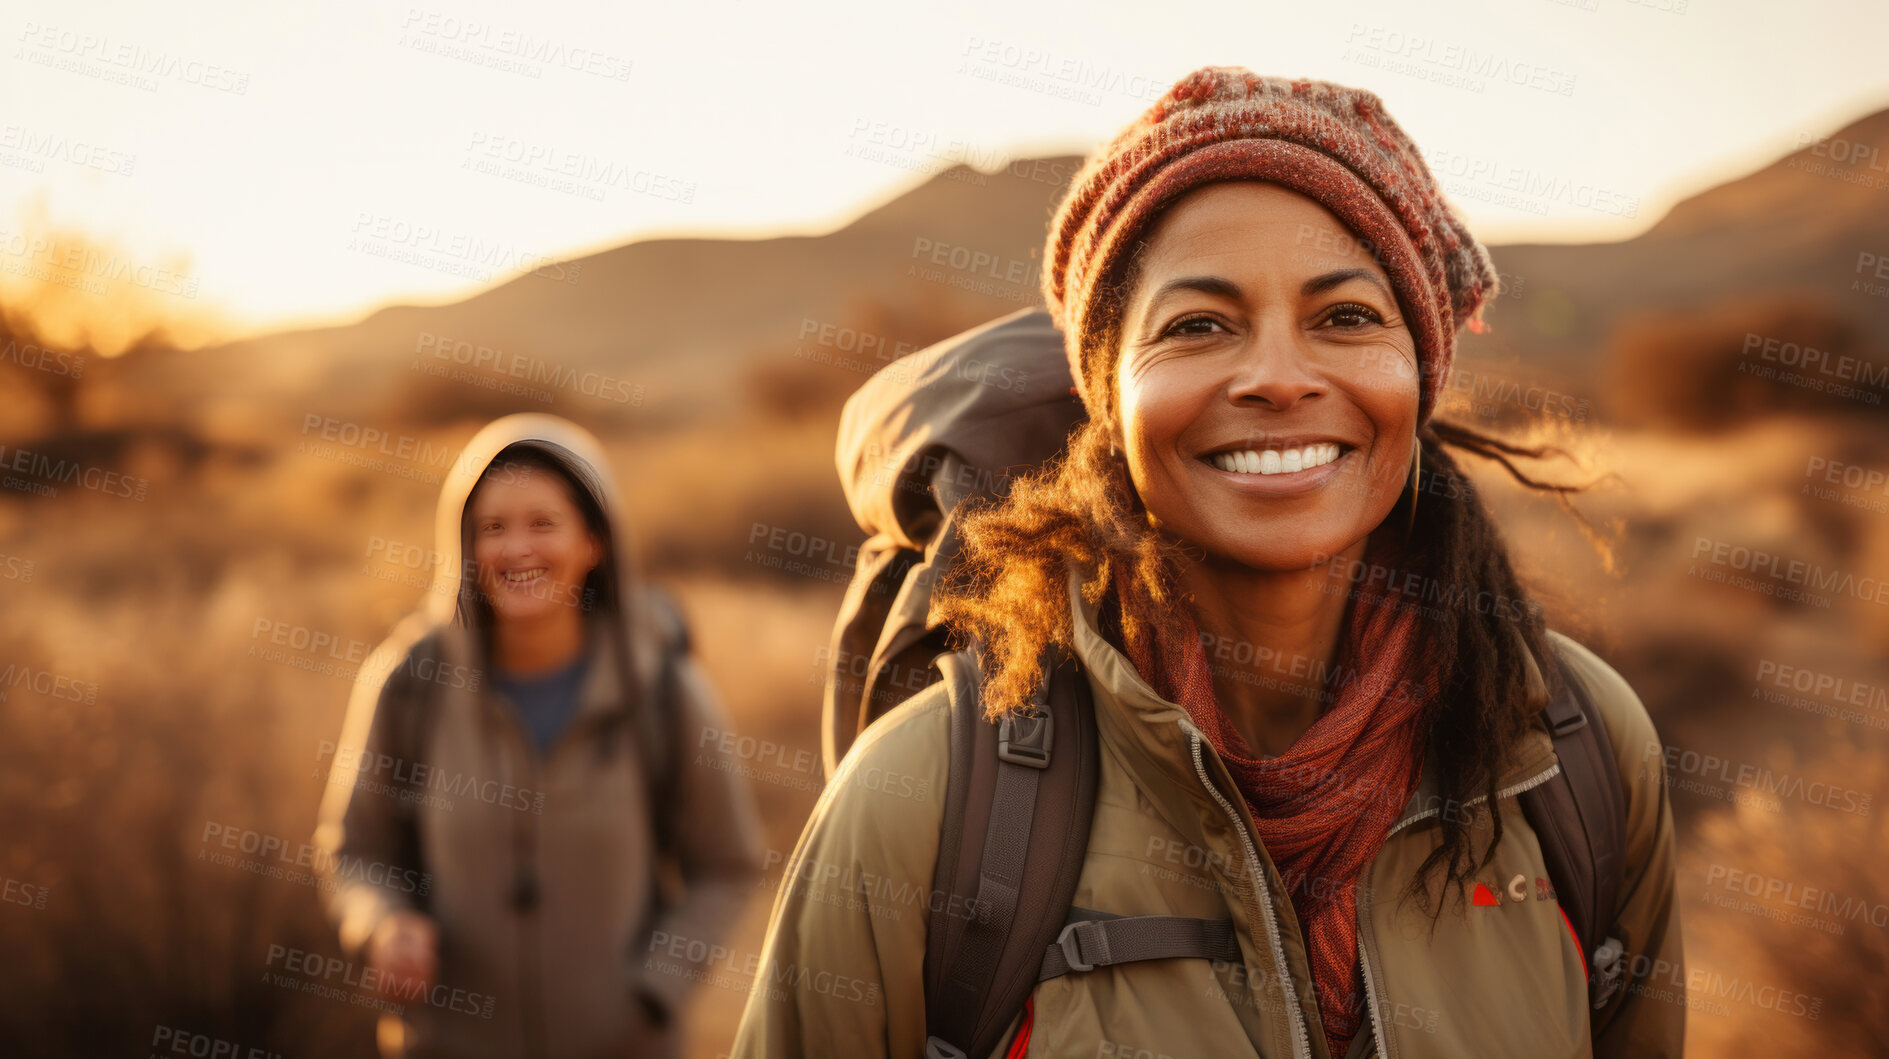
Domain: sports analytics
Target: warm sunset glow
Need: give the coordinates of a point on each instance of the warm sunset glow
(268, 166)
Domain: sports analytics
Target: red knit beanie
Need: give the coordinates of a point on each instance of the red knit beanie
(1335, 145)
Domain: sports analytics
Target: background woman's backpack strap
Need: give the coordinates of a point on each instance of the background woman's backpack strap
(663, 739)
(1018, 806)
(1579, 816)
(409, 694)
(413, 703)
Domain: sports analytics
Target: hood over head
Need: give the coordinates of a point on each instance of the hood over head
(636, 628)
(576, 450)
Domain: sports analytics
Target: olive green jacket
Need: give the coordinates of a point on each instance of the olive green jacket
(842, 972)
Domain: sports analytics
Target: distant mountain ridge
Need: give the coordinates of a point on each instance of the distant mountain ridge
(680, 318)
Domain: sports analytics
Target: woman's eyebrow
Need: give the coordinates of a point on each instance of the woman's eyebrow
(1321, 284)
(1225, 288)
(1215, 285)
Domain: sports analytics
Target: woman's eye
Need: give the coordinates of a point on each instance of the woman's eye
(1191, 326)
(1351, 314)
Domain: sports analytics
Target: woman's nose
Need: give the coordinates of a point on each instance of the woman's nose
(1275, 368)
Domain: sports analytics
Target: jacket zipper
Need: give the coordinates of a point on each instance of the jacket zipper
(1513, 789)
(1367, 949)
(530, 934)
(1301, 1045)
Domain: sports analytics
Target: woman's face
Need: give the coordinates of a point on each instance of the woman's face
(530, 542)
(1259, 340)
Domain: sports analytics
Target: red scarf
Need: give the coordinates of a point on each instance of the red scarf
(1323, 807)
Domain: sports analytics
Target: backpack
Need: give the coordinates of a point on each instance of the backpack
(913, 446)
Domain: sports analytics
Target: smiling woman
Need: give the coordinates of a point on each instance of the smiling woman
(1329, 710)
(519, 745)
(538, 541)
(1255, 372)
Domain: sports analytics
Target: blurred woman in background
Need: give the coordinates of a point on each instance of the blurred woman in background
(519, 805)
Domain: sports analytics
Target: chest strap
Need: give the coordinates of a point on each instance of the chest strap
(1097, 939)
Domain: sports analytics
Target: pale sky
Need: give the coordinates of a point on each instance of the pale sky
(302, 156)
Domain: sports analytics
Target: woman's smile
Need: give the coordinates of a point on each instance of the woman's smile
(529, 576)
(1280, 469)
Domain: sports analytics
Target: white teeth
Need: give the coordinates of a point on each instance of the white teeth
(524, 575)
(1277, 461)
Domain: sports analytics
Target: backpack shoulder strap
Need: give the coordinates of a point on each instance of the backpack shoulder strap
(1000, 899)
(1018, 806)
(662, 725)
(408, 727)
(412, 704)
(1579, 817)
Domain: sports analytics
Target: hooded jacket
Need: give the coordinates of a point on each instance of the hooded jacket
(543, 873)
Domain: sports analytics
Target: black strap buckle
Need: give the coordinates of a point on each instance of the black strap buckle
(1070, 941)
(1024, 739)
(1574, 722)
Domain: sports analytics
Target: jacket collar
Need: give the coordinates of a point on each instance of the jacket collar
(1153, 732)
(1531, 760)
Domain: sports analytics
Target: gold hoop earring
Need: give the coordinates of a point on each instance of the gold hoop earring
(1416, 485)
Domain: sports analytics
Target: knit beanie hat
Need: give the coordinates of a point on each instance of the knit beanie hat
(1335, 145)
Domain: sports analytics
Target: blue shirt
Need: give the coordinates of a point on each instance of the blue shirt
(546, 703)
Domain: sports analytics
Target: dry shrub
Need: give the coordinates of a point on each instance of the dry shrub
(1818, 924)
(1714, 368)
